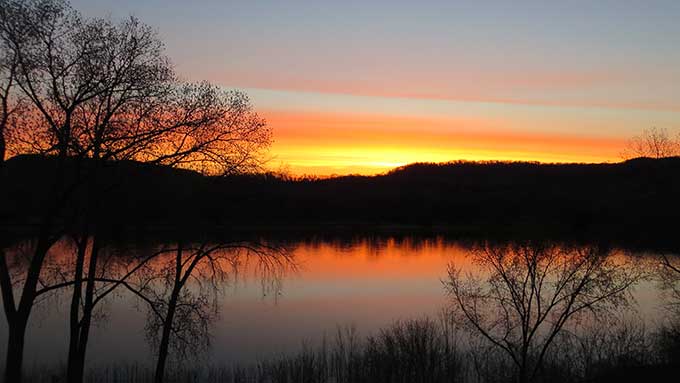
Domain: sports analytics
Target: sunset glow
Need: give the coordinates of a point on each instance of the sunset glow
(362, 87)
(313, 143)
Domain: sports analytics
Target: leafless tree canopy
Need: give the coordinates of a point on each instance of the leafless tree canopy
(654, 143)
(10, 102)
(105, 90)
(526, 294)
(202, 127)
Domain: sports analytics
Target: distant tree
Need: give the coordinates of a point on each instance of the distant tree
(524, 296)
(654, 143)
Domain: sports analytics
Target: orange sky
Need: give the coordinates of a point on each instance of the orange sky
(335, 143)
(323, 134)
(361, 87)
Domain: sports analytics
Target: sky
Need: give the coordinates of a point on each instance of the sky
(364, 86)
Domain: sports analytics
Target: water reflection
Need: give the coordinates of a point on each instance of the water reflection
(252, 310)
(523, 296)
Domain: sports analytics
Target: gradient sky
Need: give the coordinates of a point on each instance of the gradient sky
(362, 86)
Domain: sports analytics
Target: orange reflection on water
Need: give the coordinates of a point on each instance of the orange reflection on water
(369, 282)
(383, 259)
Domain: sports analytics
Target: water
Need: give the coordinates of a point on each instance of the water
(367, 282)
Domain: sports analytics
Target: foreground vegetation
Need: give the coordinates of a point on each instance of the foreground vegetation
(428, 350)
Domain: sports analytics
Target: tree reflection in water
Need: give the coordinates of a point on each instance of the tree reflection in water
(524, 295)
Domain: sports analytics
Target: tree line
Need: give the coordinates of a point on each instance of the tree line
(628, 201)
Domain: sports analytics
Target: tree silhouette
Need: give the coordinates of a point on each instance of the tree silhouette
(197, 126)
(107, 270)
(670, 281)
(181, 290)
(526, 294)
(98, 91)
(654, 143)
(10, 101)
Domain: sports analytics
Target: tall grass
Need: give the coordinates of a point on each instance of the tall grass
(410, 351)
(427, 350)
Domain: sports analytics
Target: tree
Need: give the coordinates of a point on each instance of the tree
(11, 103)
(196, 126)
(524, 295)
(106, 271)
(98, 92)
(654, 143)
(181, 291)
(201, 127)
(63, 65)
(670, 281)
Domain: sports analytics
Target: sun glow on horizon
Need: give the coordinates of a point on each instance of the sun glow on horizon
(375, 161)
(324, 161)
(336, 144)
(362, 87)
(335, 134)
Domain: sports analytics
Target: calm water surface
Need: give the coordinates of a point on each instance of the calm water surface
(368, 283)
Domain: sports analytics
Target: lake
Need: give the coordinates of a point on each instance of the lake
(366, 282)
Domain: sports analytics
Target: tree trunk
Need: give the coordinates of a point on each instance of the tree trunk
(76, 362)
(15, 349)
(18, 315)
(523, 374)
(169, 317)
(18, 320)
(165, 337)
(81, 325)
(74, 316)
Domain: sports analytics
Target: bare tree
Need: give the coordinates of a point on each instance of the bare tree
(181, 292)
(98, 272)
(204, 128)
(669, 274)
(17, 265)
(196, 126)
(10, 101)
(524, 295)
(101, 91)
(654, 143)
(62, 65)
(185, 125)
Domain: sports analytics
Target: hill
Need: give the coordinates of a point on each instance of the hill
(637, 196)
